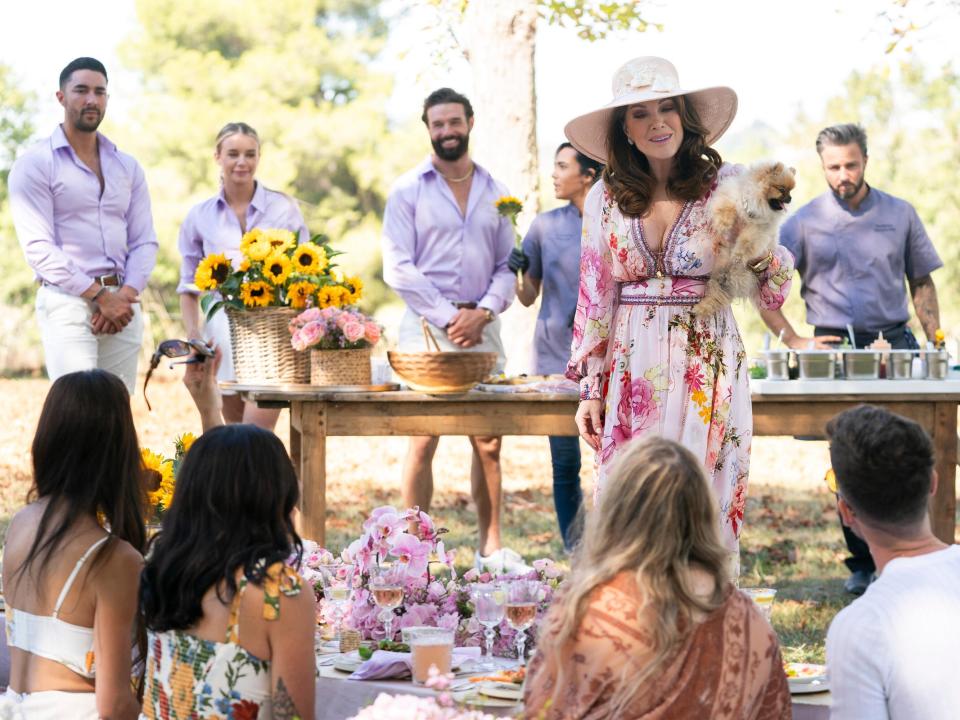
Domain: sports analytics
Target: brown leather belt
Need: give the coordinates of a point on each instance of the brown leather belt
(465, 305)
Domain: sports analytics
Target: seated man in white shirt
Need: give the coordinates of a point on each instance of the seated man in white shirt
(893, 652)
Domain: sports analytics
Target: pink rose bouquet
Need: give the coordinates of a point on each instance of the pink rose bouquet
(333, 328)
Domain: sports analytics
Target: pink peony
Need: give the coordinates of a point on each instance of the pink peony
(353, 331)
(372, 331)
(311, 333)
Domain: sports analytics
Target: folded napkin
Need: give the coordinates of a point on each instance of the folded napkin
(386, 664)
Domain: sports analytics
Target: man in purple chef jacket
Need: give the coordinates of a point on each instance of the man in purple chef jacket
(854, 245)
(445, 251)
(82, 214)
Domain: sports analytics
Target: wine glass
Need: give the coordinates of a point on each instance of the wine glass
(521, 610)
(338, 588)
(488, 601)
(386, 585)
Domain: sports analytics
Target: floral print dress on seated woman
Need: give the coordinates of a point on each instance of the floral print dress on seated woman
(188, 677)
(638, 347)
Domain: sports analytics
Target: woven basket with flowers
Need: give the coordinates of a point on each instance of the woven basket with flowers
(274, 281)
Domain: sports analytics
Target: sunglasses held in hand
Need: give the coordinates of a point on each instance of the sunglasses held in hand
(196, 351)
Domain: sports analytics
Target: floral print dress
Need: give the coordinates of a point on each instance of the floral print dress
(638, 347)
(189, 677)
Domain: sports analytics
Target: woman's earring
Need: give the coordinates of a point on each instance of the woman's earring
(629, 140)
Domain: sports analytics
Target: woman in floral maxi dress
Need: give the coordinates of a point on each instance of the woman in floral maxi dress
(646, 365)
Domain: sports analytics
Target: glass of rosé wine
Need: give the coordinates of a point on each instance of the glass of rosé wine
(386, 586)
(523, 596)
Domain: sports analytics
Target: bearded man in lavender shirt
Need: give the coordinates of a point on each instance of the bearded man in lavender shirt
(82, 214)
(445, 252)
(854, 245)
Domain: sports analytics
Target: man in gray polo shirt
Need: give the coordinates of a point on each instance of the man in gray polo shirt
(854, 245)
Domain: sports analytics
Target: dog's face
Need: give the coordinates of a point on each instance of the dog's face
(777, 182)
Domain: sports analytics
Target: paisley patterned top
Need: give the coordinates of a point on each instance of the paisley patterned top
(729, 667)
(658, 369)
(188, 677)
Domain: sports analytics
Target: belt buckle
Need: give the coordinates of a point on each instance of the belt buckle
(112, 280)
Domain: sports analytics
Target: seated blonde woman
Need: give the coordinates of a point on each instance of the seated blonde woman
(649, 626)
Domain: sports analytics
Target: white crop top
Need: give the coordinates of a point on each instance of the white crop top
(49, 637)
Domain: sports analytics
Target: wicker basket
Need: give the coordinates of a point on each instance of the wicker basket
(340, 367)
(438, 373)
(262, 353)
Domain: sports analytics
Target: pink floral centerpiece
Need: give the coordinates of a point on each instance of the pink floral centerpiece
(434, 595)
(339, 340)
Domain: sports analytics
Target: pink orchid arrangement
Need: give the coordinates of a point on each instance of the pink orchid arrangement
(333, 328)
(433, 593)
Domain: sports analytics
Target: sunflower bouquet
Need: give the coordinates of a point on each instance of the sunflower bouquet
(162, 476)
(274, 271)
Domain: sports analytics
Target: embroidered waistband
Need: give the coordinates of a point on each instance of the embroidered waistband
(669, 290)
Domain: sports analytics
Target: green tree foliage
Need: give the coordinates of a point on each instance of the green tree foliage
(16, 126)
(302, 73)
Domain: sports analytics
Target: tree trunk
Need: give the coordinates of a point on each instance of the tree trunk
(501, 41)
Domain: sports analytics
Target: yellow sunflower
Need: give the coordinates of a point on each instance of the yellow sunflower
(280, 240)
(277, 268)
(508, 205)
(300, 292)
(355, 285)
(309, 259)
(256, 294)
(244, 264)
(255, 245)
(212, 272)
(160, 480)
(184, 442)
(333, 296)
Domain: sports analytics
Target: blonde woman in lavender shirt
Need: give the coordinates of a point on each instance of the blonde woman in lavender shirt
(216, 225)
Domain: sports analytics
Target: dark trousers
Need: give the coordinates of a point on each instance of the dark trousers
(900, 338)
(567, 495)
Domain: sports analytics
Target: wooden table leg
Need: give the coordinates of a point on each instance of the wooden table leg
(943, 505)
(313, 470)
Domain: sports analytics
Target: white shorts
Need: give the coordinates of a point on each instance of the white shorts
(69, 344)
(49, 705)
(412, 340)
(217, 330)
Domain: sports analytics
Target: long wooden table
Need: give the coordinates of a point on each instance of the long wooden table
(786, 408)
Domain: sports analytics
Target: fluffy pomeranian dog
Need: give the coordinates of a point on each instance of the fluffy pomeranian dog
(745, 213)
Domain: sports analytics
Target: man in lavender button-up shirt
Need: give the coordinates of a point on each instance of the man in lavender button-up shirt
(445, 252)
(82, 215)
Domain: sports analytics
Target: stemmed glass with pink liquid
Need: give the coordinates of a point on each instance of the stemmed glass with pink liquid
(521, 610)
(338, 589)
(386, 585)
(488, 603)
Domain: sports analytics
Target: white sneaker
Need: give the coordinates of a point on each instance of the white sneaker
(501, 561)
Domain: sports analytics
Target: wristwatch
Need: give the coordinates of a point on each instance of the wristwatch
(488, 313)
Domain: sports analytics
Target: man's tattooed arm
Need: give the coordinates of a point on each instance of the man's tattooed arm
(283, 707)
(924, 294)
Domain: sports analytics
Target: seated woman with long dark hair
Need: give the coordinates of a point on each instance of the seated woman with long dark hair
(229, 631)
(70, 585)
(648, 625)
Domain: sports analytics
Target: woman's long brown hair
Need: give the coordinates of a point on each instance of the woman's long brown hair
(628, 175)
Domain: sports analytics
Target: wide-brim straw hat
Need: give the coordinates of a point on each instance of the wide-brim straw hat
(650, 78)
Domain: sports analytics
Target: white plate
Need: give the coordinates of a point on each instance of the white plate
(811, 686)
(500, 690)
(806, 673)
